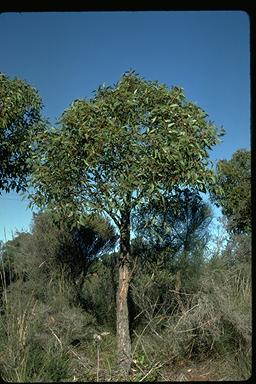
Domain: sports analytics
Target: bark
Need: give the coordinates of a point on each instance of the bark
(123, 332)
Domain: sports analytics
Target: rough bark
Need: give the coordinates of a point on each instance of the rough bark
(123, 332)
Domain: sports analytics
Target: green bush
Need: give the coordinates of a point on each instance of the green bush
(37, 334)
(99, 293)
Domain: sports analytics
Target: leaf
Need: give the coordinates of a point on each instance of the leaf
(115, 143)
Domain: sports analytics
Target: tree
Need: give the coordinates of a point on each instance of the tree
(56, 247)
(182, 222)
(75, 248)
(128, 144)
(179, 232)
(234, 176)
(20, 107)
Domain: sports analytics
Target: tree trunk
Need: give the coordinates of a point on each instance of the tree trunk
(123, 332)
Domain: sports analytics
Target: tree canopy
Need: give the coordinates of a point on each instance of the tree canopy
(20, 107)
(234, 176)
(128, 142)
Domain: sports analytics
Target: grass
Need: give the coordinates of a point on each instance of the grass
(205, 335)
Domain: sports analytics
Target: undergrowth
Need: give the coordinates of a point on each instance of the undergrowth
(47, 333)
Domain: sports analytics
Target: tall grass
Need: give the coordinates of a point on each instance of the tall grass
(36, 336)
(178, 333)
(213, 323)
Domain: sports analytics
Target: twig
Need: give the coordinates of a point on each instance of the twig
(42, 264)
(181, 293)
(139, 336)
(54, 334)
(79, 358)
(157, 366)
(98, 361)
(185, 313)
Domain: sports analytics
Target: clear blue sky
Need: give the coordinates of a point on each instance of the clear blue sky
(68, 55)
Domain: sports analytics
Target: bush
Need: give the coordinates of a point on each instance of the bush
(99, 293)
(36, 334)
(213, 322)
(151, 293)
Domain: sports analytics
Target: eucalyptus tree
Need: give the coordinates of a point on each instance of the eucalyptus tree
(20, 107)
(129, 144)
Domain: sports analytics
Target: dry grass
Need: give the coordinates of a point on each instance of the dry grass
(210, 333)
(184, 336)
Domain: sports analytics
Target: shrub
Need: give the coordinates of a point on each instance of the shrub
(99, 293)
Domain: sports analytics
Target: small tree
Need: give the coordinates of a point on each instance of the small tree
(179, 231)
(181, 223)
(20, 107)
(128, 144)
(234, 176)
(75, 248)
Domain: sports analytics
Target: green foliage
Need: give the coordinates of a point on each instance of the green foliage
(40, 319)
(177, 222)
(175, 235)
(162, 283)
(46, 335)
(238, 249)
(52, 251)
(37, 336)
(131, 141)
(75, 248)
(20, 120)
(150, 291)
(56, 366)
(99, 293)
(234, 176)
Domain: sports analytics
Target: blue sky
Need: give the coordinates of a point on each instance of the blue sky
(68, 55)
